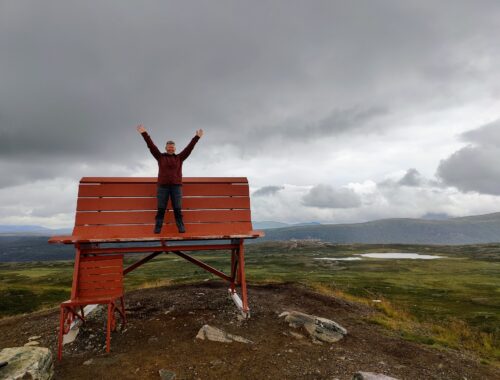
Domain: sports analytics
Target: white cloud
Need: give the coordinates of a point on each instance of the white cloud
(385, 200)
(325, 196)
(475, 167)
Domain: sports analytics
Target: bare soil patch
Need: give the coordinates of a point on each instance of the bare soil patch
(163, 323)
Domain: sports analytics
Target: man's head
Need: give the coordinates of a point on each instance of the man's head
(170, 147)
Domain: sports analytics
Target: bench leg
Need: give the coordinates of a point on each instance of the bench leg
(242, 279)
(108, 332)
(123, 311)
(61, 332)
(234, 266)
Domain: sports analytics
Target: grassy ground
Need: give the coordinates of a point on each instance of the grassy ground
(454, 301)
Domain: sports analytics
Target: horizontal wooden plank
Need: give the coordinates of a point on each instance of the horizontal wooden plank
(112, 292)
(164, 236)
(91, 282)
(100, 285)
(116, 204)
(85, 258)
(105, 285)
(147, 230)
(155, 180)
(150, 190)
(101, 264)
(148, 217)
(100, 271)
(84, 293)
(84, 277)
(90, 300)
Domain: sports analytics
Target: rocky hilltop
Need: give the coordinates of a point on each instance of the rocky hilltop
(160, 339)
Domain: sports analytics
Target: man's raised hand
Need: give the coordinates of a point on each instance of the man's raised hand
(199, 132)
(140, 128)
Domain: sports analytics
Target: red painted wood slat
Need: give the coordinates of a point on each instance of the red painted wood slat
(148, 217)
(146, 230)
(155, 180)
(98, 258)
(115, 204)
(85, 272)
(149, 190)
(84, 293)
(88, 282)
(164, 236)
(103, 264)
(89, 286)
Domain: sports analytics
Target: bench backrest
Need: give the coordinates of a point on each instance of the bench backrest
(100, 276)
(126, 207)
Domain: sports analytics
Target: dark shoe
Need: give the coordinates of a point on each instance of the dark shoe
(178, 221)
(158, 226)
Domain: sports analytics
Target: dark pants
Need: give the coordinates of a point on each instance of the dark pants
(175, 194)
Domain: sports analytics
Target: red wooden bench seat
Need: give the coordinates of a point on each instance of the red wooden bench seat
(122, 209)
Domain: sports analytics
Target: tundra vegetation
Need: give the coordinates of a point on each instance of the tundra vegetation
(448, 302)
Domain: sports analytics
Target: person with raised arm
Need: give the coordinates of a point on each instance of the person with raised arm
(169, 177)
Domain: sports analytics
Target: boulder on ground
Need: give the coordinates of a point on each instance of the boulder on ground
(27, 362)
(32, 343)
(217, 335)
(166, 374)
(318, 328)
(371, 376)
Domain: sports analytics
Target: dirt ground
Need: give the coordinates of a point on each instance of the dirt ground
(163, 323)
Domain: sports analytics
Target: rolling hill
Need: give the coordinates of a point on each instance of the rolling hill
(465, 230)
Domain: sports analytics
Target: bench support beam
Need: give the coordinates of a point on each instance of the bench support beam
(140, 262)
(203, 265)
(235, 278)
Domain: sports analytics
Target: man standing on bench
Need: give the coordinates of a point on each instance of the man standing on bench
(169, 177)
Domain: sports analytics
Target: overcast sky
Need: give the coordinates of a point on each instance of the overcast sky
(336, 111)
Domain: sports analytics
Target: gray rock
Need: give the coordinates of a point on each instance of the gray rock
(217, 335)
(32, 343)
(371, 376)
(35, 363)
(153, 339)
(320, 329)
(296, 335)
(165, 374)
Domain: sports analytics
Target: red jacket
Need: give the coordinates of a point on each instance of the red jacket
(169, 165)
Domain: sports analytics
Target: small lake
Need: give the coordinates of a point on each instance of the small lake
(339, 258)
(400, 255)
(385, 255)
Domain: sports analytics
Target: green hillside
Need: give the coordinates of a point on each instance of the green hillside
(467, 230)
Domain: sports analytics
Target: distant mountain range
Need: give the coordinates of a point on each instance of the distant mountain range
(465, 230)
(269, 224)
(20, 243)
(32, 230)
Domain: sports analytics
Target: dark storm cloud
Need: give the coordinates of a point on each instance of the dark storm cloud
(267, 190)
(487, 135)
(475, 167)
(325, 196)
(337, 122)
(75, 77)
(411, 178)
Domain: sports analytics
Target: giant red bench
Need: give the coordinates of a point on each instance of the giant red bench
(121, 210)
